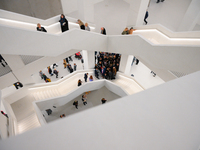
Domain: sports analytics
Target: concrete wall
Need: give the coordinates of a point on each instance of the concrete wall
(36, 8)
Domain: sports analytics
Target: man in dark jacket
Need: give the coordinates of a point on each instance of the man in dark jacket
(85, 76)
(39, 28)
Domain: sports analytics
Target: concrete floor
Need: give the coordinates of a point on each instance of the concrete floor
(93, 100)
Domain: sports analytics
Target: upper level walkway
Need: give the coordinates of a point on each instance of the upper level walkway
(150, 45)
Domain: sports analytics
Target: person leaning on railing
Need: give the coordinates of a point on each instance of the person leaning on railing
(39, 28)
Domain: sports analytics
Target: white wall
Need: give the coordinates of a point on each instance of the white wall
(164, 117)
(3, 127)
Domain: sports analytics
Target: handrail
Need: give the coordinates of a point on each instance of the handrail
(171, 34)
(62, 100)
(59, 81)
(30, 23)
(54, 45)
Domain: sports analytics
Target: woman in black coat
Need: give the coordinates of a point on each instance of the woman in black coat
(63, 23)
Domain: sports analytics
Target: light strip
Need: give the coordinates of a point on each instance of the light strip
(177, 39)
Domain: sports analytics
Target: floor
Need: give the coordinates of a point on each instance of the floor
(93, 100)
(62, 72)
(144, 77)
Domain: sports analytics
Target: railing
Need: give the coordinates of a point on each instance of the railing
(42, 105)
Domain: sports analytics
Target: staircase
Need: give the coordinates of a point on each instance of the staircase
(23, 108)
(127, 84)
(28, 123)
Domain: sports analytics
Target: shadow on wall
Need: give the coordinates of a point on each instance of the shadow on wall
(39, 9)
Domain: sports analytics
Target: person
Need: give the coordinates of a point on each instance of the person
(18, 84)
(91, 78)
(78, 55)
(4, 114)
(97, 73)
(131, 30)
(146, 16)
(64, 63)
(137, 61)
(103, 100)
(103, 30)
(56, 72)
(159, 1)
(70, 58)
(114, 72)
(41, 74)
(79, 82)
(76, 104)
(48, 80)
(39, 28)
(63, 23)
(84, 99)
(81, 24)
(55, 65)
(87, 27)
(75, 66)
(125, 32)
(70, 69)
(110, 75)
(1, 61)
(63, 115)
(44, 77)
(85, 76)
(50, 71)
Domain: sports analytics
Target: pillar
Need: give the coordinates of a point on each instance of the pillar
(137, 12)
(191, 17)
(89, 59)
(125, 63)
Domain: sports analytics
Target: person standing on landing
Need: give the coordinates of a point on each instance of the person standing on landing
(103, 30)
(87, 27)
(85, 76)
(103, 100)
(146, 16)
(76, 104)
(63, 23)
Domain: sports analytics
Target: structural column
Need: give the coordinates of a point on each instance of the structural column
(89, 59)
(191, 16)
(125, 63)
(137, 12)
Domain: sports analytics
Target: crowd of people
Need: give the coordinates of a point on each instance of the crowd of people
(107, 65)
(53, 71)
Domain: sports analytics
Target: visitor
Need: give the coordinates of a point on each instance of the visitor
(63, 23)
(85, 76)
(82, 26)
(91, 78)
(87, 27)
(103, 30)
(125, 32)
(56, 72)
(103, 100)
(39, 28)
(76, 104)
(79, 82)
